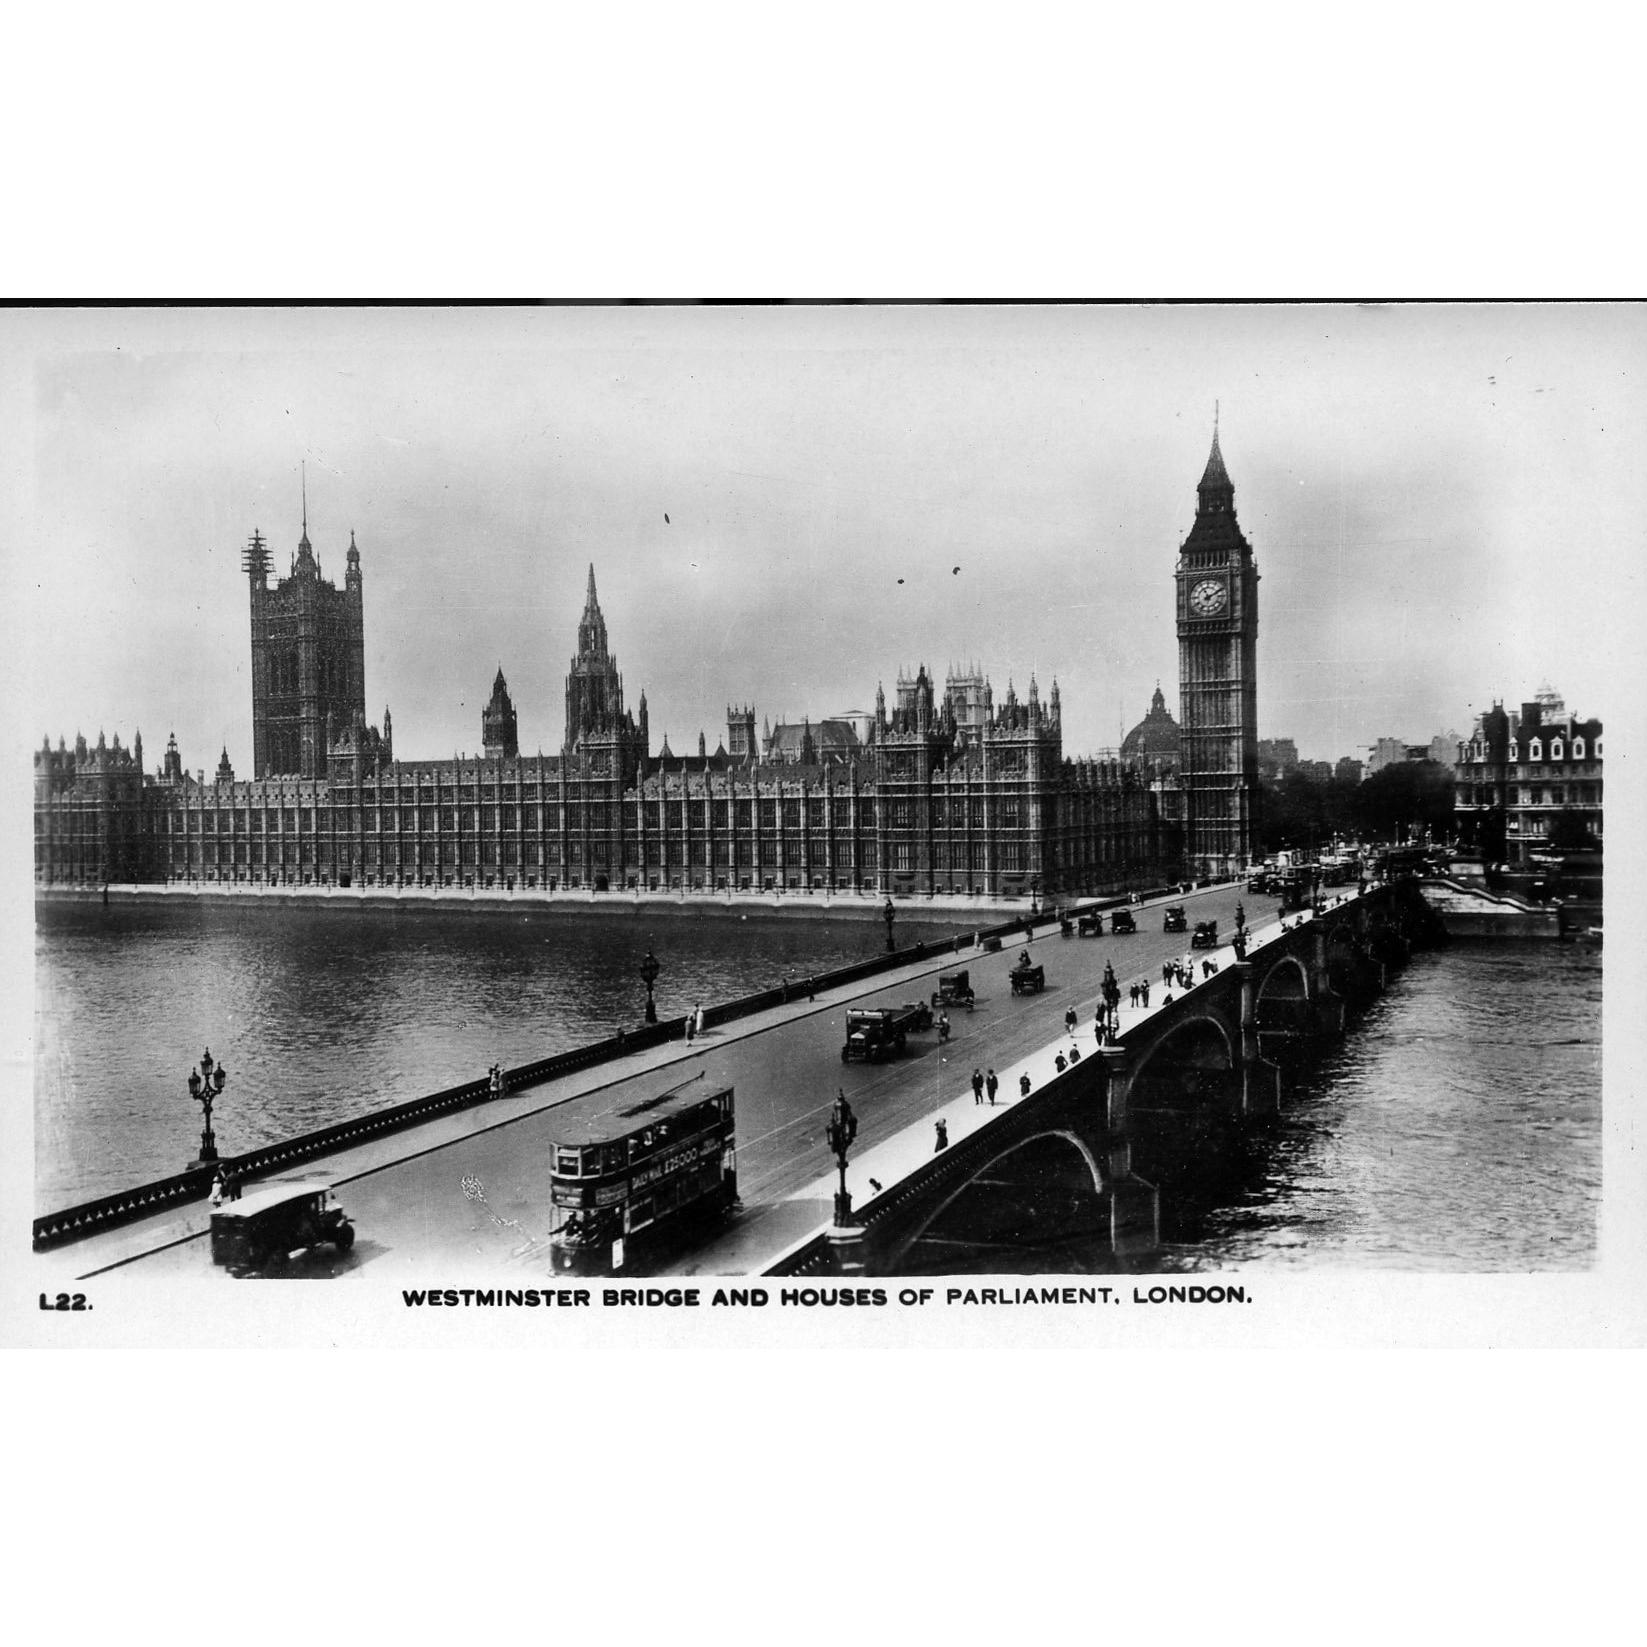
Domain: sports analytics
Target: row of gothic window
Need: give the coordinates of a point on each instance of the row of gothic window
(1535, 749)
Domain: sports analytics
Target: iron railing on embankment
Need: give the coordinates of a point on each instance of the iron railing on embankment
(110, 1211)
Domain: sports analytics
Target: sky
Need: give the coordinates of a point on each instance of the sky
(1445, 505)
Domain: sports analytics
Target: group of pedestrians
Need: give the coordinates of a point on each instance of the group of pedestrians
(982, 1084)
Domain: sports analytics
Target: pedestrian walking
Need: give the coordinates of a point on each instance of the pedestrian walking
(691, 1026)
(700, 1019)
(942, 1128)
(991, 1086)
(1143, 990)
(1023, 1086)
(977, 1085)
(1069, 1020)
(1166, 972)
(1166, 1000)
(219, 1188)
(1074, 1053)
(1062, 1062)
(1240, 916)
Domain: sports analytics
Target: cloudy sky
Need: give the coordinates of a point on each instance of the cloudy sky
(1446, 505)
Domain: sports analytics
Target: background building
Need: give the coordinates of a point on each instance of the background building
(1529, 779)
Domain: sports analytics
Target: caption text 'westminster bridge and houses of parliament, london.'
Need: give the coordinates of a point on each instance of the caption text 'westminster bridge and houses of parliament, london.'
(953, 795)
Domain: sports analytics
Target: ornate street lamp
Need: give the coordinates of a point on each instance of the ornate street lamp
(649, 975)
(206, 1087)
(842, 1129)
(889, 915)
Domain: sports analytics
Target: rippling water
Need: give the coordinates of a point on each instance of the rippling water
(321, 1015)
(1457, 1127)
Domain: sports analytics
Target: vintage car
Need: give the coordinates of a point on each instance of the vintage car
(954, 989)
(1026, 978)
(1175, 920)
(258, 1233)
(880, 1032)
(1122, 921)
(1205, 936)
(1091, 924)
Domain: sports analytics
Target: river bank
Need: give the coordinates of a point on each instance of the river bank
(841, 906)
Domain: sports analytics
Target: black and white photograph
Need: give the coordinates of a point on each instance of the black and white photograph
(824, 814)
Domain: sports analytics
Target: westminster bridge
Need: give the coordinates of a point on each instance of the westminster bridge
(1053, 1167)
(463, 1183)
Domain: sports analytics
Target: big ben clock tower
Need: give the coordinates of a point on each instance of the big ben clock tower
(1218, 679)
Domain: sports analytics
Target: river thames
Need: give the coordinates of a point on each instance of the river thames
(1457, 1127)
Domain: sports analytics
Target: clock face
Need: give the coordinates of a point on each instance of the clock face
(1208, 597)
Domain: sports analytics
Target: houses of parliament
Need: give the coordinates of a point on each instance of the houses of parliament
(948, 793)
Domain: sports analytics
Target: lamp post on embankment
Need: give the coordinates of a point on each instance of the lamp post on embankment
(889, 915)
(206, 1087)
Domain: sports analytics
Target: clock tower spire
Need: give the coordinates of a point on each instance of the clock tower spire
(1218, 678)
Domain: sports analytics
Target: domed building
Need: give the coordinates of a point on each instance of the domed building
(1153, 742)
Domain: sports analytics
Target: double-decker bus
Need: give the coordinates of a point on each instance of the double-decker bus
(631, 1184)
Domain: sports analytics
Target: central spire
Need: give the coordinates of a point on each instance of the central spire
(592, 627)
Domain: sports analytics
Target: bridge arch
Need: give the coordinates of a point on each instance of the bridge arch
(1039, 1190)
(1191, 1065)
(1344, 959)
(1283, 1000)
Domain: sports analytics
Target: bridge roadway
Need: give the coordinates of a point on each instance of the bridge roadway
(468, 1194)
